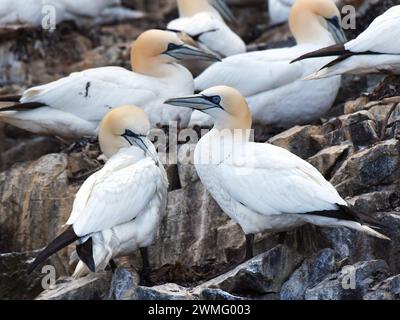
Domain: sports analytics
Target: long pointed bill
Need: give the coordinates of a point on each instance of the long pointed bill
(336, 30)
(196, 102)
(188, 52)
(139, 142)
(223, 9)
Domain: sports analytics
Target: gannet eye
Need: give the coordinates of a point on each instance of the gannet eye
(216, 99)
(173, 46)
(129, 133)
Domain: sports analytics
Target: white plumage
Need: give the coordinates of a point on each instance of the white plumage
(273, 87)
(279, 11)
(374, 50)
(72, 107)
(260, 186)
(120, 206)
(32, 12)
(211, 32)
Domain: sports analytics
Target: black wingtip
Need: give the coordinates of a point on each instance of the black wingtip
(85, 253)
(63, 240)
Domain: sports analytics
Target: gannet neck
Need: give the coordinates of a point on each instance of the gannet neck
(189, 8)
(155, 66)
(308, 25)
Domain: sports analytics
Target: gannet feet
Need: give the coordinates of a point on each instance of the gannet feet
(249, 246)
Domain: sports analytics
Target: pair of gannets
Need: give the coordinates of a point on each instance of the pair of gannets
(33, 12)
(118, 209)
(274, 88)
(201, 19)
(260, 186)
(375, 50)
(73, 107)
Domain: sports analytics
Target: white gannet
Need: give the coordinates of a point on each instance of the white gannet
(375, 50)
(118, 209)
(279, 11)
(259, 185)
(34, 12)
(201, 20)
(72, 107)
(273, 87)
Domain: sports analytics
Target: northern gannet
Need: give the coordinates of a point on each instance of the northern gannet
(375, 50)
(118, 209)
(201, 20)
(72, 107)
(34, 12)
(259, 185)
(273, 87)
(279, 11)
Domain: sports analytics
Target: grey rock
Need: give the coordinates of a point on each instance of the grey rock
(310, 273)
(386, 290)
(123, 285)
(352, 282)
(263, 274)
(218, 294)
(378, 165)
(15, 283)
(169, 291)
(92, 287)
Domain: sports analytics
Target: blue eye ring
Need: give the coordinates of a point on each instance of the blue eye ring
(172, 46)
(216, 99)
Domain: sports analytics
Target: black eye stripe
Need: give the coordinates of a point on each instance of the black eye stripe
(173, 46)
(129, 133)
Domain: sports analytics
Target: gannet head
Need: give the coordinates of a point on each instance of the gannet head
(189, 8)
(225, 104)
(154, 47)
(312, 20)
(124, 127)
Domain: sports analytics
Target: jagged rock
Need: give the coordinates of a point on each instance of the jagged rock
(123, 285)
(378, 165)
(358, 128)
(169, 291)
(264, 274)
(327, 158)
(299, 140)
(92, 287)
(352, 282)
(15, 283)
(218, 294)
(310, 273)
(386, 290)
(188, 233)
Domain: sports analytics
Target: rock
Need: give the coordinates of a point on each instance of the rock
(15, 284)
(326, 159)
(378, 165)
(352, 282)
(359, 128)
(188, 233)
(35, 201)
(299, 140)
(264, 274)
(92, 287)
(309, 274)
(169, 291)
(217, 294)
(123, 285)
(386, 290)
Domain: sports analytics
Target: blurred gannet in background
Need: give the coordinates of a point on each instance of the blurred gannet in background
(273, 87)
(259, 185)
(375, 50)
(201, 20)
(118, 209)
(72, 107)
(279, 11)
(32, 12)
